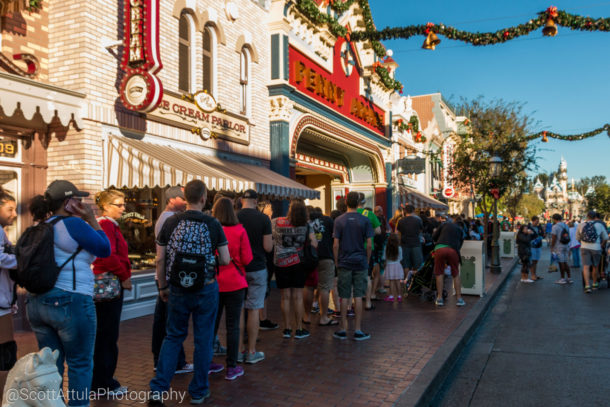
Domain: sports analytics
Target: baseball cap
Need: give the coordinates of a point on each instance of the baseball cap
(174, 192)
(250, 194)
(61, 189)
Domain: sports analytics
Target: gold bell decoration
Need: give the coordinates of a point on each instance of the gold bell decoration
(550, 29)
(431, 41)
(545, 139)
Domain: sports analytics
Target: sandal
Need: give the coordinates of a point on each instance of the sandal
(372, 307)
(331, 322)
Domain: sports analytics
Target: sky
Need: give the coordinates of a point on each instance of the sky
(564, 81)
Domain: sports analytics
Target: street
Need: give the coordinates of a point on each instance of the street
(541, 344)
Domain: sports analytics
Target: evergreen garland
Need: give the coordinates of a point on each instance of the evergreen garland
(571, 137)
(560, 17)
(310, 9)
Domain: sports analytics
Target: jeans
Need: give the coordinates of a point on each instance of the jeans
(202, 305)
(158, 334)
(575, 256)
(66, 322)
(232, 302)
(106, 354)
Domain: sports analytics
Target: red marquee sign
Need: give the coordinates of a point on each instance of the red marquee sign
(140, 89)
(339, 90)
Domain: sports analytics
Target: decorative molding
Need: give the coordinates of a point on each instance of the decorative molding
(245, 39)
(281, 108)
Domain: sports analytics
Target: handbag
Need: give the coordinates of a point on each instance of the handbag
(310, 254)
(106, 287)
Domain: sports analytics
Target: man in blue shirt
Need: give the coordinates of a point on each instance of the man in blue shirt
(352, 231)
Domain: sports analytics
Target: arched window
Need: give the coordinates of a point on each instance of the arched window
(209, 48)
(244, 81)
(185, 52)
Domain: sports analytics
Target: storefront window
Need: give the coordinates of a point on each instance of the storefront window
(9, 180)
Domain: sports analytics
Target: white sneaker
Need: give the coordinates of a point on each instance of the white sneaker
(187, 368)
(527, 280)
(570, 281)
(561, 281)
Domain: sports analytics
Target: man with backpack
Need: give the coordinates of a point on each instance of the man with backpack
(592, 237)
(560, 248)
(186, 274)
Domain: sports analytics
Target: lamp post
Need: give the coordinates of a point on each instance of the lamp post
(495, 169)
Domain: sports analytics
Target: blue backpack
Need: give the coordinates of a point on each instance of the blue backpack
(589, 233)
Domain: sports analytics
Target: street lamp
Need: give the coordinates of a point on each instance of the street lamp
(495, 169)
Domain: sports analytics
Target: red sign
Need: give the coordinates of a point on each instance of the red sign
(339, 90)
(449, 192)
(140, 89)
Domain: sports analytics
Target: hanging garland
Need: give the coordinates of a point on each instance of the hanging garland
(572, 137)
(310, 9)
(413, 127)
(547, 18)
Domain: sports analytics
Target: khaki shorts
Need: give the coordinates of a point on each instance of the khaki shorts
(326, 274)
(351, 279)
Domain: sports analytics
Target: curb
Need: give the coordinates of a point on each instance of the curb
(425, 386)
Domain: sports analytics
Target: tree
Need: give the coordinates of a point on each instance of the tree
(583, 184)
(497, 128)
(530, 205)
(600, 200)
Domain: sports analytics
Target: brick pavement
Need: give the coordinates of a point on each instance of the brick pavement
(313, 371)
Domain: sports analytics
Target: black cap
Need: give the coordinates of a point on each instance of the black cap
(250, 194)
(62, 189)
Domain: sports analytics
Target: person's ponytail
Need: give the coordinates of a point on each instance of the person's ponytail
(41, 207)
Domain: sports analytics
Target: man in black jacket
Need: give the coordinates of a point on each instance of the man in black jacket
(449, 238)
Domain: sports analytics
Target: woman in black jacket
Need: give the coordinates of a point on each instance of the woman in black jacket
(524, 249)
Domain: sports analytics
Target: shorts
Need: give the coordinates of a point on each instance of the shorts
(536, 251)
(562, 254)
(312, 279)
(443, 257)
(351, 279)
(412, 257)
(326, 274)
(590, 257)
(257, 288)
(290, 277)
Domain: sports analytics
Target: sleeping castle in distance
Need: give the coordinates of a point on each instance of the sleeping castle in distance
(558, 197)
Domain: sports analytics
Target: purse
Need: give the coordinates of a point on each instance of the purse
(106, 287)
(310, 254)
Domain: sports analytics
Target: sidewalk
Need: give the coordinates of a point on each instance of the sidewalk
(318, 370)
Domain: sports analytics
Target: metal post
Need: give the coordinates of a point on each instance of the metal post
(495, 247)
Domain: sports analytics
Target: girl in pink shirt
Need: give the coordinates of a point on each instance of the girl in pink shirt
(232, 283)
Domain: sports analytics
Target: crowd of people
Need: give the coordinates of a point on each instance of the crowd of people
(219, 258)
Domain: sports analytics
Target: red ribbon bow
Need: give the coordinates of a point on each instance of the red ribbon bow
(429, 27)
(552, 11)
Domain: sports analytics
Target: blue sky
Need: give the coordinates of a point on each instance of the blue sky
(564, 80)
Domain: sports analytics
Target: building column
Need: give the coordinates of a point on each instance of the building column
(279, 144)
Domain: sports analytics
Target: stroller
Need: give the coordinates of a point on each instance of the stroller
(423, 282)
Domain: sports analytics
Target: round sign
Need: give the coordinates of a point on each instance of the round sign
(448, 192)
(205, 101)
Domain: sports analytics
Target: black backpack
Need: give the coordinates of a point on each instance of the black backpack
(36, 269)
(564, 238)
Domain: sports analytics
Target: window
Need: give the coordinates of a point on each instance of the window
(244, 74)
(185, 59)
(208, 59)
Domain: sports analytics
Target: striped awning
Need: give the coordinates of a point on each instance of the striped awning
(420, 200)
(133, 163)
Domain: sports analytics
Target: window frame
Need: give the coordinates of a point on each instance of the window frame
(245, 84)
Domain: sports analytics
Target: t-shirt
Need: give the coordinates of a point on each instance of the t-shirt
(602, 234)
(288, 242)
(375, 223)
(323, 229)
(410, 228)
(352, 229)
(165, 215)
(178, 234)
(557, 229)
(257, 225)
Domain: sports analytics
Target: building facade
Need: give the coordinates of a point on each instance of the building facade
(558, 197)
